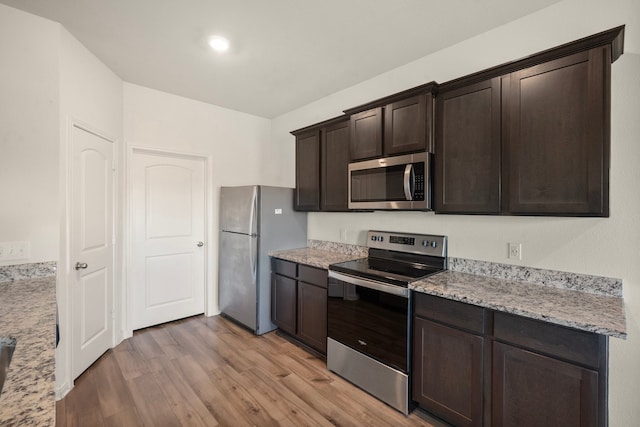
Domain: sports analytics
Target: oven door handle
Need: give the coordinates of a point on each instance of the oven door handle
(388, 289)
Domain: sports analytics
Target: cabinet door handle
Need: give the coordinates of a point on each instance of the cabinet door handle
(200, 244)
(81, 265)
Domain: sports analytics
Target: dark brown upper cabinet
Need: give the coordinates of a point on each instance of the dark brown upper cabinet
(334, 167)
(530, 137)
(322, 159)
(366, 134)
(307, 194)
(397, 124)
(405, 125)
(467, 167)
(557, 136)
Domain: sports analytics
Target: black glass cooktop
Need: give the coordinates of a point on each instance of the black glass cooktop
(398, 273)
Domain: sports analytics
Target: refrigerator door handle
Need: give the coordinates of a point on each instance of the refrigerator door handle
(253, 257)
(253, 252)
(253, 214)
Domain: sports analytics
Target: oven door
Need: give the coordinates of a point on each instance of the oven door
(400, 182)
(370, 317)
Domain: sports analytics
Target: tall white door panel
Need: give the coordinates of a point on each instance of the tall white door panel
(168, 238)
(91, 247)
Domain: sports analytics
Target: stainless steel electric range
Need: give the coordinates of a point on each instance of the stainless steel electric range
(369, 312)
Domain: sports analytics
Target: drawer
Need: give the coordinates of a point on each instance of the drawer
(315, 276)
(454, 313)
(554, 340)
(284, 268)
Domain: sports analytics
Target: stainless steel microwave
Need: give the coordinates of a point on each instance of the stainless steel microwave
(400, 182)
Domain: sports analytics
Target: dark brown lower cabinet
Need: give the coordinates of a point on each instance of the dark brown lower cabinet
(535, 390)
(312, 315)
(283, 302)
(448, 375)
(478, 367)
(299, 302)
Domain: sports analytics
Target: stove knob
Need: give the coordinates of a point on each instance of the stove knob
(434, 244)
(374, 238)
(425, 243)
(380, 238)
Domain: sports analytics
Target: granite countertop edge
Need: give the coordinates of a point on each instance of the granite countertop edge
(314, 257)
(28, 314)
(575, 308)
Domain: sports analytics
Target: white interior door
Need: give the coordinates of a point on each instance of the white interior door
(91, 247)
(168, 229)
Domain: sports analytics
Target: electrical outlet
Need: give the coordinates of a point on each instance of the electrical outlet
(515, 251)
(21, 250)
(15, 250)
(343, 234)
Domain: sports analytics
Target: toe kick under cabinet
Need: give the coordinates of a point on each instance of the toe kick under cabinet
(473, 366)
(299, 302)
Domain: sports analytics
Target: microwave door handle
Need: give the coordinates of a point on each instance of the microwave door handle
(408, 182)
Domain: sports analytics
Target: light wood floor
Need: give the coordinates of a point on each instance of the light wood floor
(208, 372)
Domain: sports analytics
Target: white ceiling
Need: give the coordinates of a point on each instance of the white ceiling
(284, 54)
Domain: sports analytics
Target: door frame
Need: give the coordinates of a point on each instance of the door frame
(128, 231)
(65, 274)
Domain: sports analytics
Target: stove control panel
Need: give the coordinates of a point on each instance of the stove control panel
(423, 244)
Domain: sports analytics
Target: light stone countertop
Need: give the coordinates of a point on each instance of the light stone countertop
(313, 257)
(28, 313)
(321, 254)
(589, 303)
(586, 311)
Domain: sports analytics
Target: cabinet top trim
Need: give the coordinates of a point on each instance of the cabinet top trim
(324, 123)
(613, 37)
(431, 87)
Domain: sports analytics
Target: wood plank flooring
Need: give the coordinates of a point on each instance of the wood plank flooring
(211, 372)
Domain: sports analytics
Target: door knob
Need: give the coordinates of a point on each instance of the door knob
(200, 244)
(80, 265)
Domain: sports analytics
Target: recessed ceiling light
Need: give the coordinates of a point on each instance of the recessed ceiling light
(219, 44)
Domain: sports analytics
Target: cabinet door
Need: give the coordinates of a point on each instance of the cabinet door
(312, 315)
(308, 171)
(335, 162)
(366, 134)
(283, 302)
(467, 146)
(405, 125)
(557, 141)
(534, 390)
(447, 372)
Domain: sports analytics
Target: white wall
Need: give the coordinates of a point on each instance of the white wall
(29, 137)
(600, 246)
(90, 94)
(48, 78)
(233, 141)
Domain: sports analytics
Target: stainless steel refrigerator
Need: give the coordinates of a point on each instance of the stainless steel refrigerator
(254, 220)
